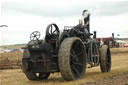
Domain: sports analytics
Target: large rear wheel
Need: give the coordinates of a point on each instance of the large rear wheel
(72, 59)
(105, 63)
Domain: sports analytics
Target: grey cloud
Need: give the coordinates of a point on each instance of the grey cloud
(113, 8)
(104, 8)
(47, 10)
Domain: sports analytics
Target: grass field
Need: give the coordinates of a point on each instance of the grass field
(11, 55)
(119, 65)
(19, 46)
(10, 60)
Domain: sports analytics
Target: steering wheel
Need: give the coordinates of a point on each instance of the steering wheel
(35, 35)
(52, 29)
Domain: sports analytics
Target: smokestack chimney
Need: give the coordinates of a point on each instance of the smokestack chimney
(86, 17)
(94, 35)
(113, 36)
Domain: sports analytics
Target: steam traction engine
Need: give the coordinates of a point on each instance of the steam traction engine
(110, 41)
(68, 52)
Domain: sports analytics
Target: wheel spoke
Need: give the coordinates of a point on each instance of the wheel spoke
(75, 69)
(71, 54)
(79, 53)
(32, 35)
(79, 64)
(54, 30)
(36, 38)
(33, 38)
(36, 33)
(76, 47)
(51, 29)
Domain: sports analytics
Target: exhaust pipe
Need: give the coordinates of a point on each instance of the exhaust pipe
(94, 35)
(113, 36)
(86, 17)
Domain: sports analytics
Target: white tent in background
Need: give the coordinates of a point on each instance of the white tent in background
(1, 51)
(122, 43)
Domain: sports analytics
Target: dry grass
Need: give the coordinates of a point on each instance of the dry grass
(11, 55)
(119, 65)
(10, 60)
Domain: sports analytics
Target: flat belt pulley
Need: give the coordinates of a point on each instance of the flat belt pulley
(52, 32)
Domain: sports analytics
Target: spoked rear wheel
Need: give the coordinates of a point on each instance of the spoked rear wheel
(72, 59)
(105, 63)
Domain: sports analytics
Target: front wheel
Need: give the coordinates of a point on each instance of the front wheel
(105, 63)
(72, 59)
(31, 75)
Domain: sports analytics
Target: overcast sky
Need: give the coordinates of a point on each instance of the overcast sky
(25, 16)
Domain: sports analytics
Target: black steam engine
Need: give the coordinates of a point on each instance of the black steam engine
(68, 52)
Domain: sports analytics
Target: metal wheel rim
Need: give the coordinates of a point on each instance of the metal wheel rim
(77, 59)
(108, 60)
(52, 29)
(35, 35)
